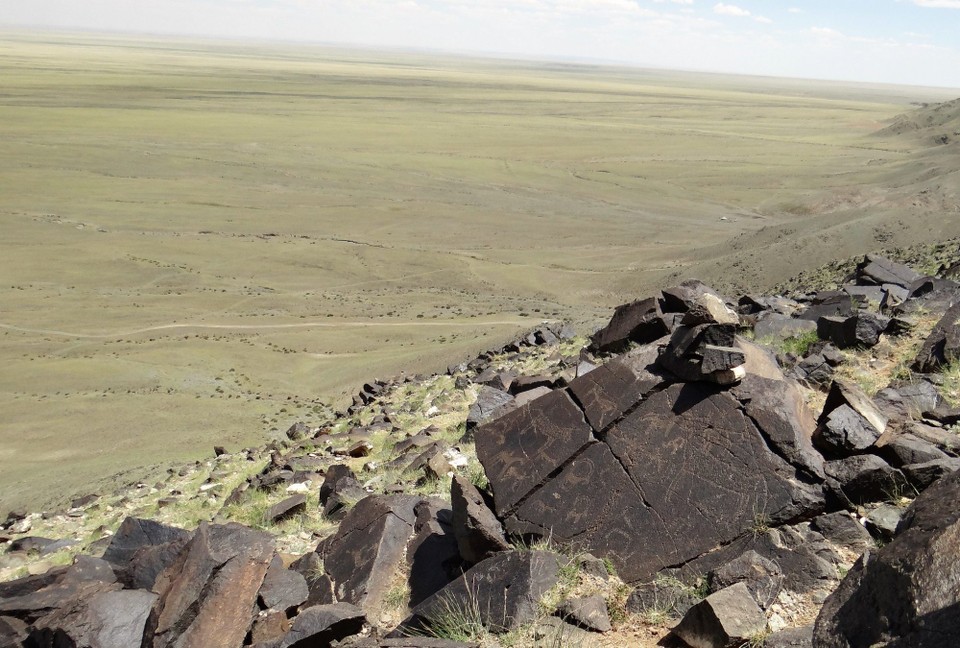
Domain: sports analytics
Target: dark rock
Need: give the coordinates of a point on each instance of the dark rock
(504, 591)
(761, 576)
(593, 567)
(844, 432)
(321, 625)
(850, 421)
(368, 547)
(12, 632)
(902, 449)
(725, 619)
(860, 330)
(948, 416)
(553, 427)
(842, 529)
(288, 508)
(945, 440)
(779, 410)
(298, 431)
(922, 475)
(584, 367)
(432, 554)
(478, 533)
(942, 346)
(909, 401)
(903, 595)
(608, 391)
(33, 597)
(640, 321)
(829, 303)
(589, 612)
(878, 270)
(530, 395)
(136, 534)
(526, 383)
(339, 490)
(29, 544)
(86, 500)
(655, 493)
(207, 596)
(104, 620)
(884, 519)
(269, 627)
(282, 589)
(871, 296)
(865, 478)
(706, 352)
(490, 404)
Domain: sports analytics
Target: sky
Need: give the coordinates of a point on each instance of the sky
(889, 41)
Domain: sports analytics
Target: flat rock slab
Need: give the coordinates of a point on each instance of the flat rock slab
(519, 450)
(685, 472)
(368, 547)
(321, 625)
(639, 321)
(942, 346)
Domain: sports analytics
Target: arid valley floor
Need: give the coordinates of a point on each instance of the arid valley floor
(206, 242)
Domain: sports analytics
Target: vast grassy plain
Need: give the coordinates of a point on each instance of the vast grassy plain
(205, 242)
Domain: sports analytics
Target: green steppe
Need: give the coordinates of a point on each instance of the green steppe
(205, 242)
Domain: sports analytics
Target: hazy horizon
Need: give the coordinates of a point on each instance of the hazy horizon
(902, 42)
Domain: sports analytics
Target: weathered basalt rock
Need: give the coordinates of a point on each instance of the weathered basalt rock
(725, 619)
(942, 346)
(478, 532)
(104, 620)
(640, 321)
(904, 594)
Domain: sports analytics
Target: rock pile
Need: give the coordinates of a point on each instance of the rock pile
(674, 451)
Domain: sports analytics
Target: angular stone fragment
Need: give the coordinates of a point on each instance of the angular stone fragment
(503, 591)
(725, 619)
(588, 612)
(207, 596)
(134, 534)
(104, 620)
(774, 326)
(490, 404)
(32, 597)
(844, 432)
(791, 638)
(828, 303)
(286, 509)
(282, 589)
(865, 478)
(12, 632)
(552, 427)
(904, 594)
(639, 321)
(922, 475)
(705, 352)
(368, 547)
(432, 554)
(761, 576)
(859, 330)
(842, 529)
(478, 532)
(942, 346)
(902, 449)
(878, 270)
(531, 395)
(321, 625)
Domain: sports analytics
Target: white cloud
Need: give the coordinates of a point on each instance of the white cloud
(795, 10)
(763, 19)
(938, 4)
(729, 10)
(827, 32)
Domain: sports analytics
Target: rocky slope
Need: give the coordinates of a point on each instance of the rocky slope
(769, 471)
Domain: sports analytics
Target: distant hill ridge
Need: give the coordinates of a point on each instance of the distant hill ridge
(937, 124)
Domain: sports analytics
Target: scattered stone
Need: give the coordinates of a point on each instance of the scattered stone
(705, 352)
(774, 326)
(761, 576)
(321, 625)
(104, 620)
(865, 478)
(490, 404)
(725, 619)
(922, 475)
(791, 638)
(879, 270)
(298, 431)
(903, 449)
(842, 529)
(368, 547)
(288, 508)
(639, 321)
(860, 330)
(478, 533)
(432, 554)
(884, 519)
(942, 346)
(282, 589)
(503, 590)
(588, 612)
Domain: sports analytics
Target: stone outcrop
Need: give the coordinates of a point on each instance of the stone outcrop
(905, 593)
